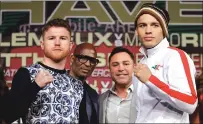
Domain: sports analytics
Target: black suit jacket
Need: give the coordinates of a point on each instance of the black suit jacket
(89, 107)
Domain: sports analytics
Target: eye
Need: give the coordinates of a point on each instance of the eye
(141, 25)
(63, 38)
(83, 59)
(155, 25)
(126, 63)
(50, 38)
(114, 64)
(94, 62)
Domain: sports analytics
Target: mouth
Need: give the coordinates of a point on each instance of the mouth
(58, 49)
(148, 38)
(85, 70)
(121, 75)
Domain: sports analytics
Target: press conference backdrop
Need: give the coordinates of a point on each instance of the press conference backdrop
(105, 24)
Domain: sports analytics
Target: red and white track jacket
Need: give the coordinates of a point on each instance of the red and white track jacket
(170, 94)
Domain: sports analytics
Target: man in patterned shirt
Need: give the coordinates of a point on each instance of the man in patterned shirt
(57, 102)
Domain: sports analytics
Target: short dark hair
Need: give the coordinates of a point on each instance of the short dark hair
(121, 49)
(56, 23)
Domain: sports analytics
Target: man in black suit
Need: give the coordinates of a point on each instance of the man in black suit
(83, 62)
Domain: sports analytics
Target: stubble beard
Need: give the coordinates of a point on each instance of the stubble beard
(56, 56)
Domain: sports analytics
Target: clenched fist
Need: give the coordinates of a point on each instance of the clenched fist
(142, 72)
(43, 78)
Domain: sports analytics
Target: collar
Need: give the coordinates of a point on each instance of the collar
(129, 90)
(83, 81)
(52, 69)
(149, 52)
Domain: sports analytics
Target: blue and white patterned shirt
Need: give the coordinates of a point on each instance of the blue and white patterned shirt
(59, 101)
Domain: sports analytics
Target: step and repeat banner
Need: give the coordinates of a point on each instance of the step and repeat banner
(105, 24)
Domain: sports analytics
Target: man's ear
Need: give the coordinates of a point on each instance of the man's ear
(71, 45)
(72, 57)
(136, 32)
(42, 44)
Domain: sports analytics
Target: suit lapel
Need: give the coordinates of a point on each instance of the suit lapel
(105, 98)
(88, 106)
(133, 109)
(90, 99)
(135, 101)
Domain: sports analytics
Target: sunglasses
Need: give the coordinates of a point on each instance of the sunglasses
(83, 59)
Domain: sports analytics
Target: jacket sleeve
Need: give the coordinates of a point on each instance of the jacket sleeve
(19, 98)
(177, 87)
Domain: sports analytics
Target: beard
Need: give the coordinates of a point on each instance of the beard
(56, 56)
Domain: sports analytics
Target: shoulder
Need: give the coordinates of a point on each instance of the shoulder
(178, 54)
(104, 95)
(175, 51)
(25, 73)
(90, 89)
(21, 78)
(33, 68)
(22, 71)
(176, 57)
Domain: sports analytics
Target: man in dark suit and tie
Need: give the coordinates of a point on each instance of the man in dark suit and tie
(83, 62)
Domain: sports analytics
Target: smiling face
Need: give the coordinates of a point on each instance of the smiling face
(121, 68)
(56, 44)
(149, 31)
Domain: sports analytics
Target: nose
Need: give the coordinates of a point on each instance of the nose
(88, 63)
(57, 42)
(120, 67)
(148, 30)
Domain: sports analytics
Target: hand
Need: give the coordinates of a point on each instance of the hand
(43, 78)
(142, 72)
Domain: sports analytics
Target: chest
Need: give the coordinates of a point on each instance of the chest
(158, 66)
(62, 91)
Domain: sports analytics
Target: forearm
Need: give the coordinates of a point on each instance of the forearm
(184, 101)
